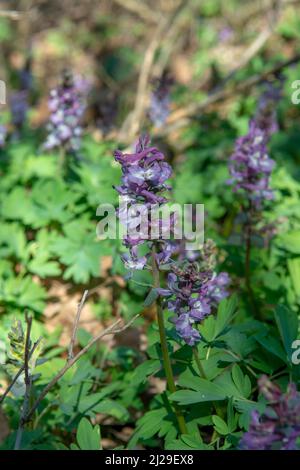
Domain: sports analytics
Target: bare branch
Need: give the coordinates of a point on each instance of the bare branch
(111, 330)
(12, 14)
(182, 116)
(133, 121)
(139, 8)
(76, 323)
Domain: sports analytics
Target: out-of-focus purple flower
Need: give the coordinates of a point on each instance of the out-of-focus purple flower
(67, 106)
(266, 118)
(250, 166)
(192, 293)
(144, 176)
(225, 34)
(19, 108)
(278, 427)
(3, 133)
(19, 100)
(159, 109)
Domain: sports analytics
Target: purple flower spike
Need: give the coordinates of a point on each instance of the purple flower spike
(192, 294)
(144, 176)
(250, 166)
(67, 106)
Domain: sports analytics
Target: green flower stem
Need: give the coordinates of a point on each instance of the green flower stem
(202, 374)
(62, 159)
(248, 284)
(164, 347)
(199, 363)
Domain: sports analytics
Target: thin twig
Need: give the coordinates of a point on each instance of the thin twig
(27, 381)
(111, 330)
(173, 39)
(12, 14)
(253, 49)
(139, 8)
(133, 121)
(76, 324)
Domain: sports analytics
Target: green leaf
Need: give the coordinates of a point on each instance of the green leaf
(148, 426)
(272, 345)
(226, 311)
(23, 293)
(145, 370)
(187, 442)
(291, 242)
(80, 250)
(151, 297)
(40, 252)
(206, 391)
(220, 425)
(234, 384)
(294, 270)
(88, 437)
(241, 381)
(288, 324)
(212, 327)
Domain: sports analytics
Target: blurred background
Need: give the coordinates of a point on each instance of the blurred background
(122, 46)
(192, 74)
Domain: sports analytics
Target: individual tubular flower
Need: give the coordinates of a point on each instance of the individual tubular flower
(66, 104)
(250, 166)
(144, 176)
(278, 427)
(193, 291)
(159, 109)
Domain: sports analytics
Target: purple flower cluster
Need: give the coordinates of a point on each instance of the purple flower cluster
(250, 166)
(66, 104)
(159, 109)
(278, 427)
(144, 176)
(193, 291)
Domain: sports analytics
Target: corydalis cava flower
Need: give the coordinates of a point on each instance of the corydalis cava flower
(278, 427)
(66, 104)
(144, 176)
(250, 166)
(194, 290)
(159, 109)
